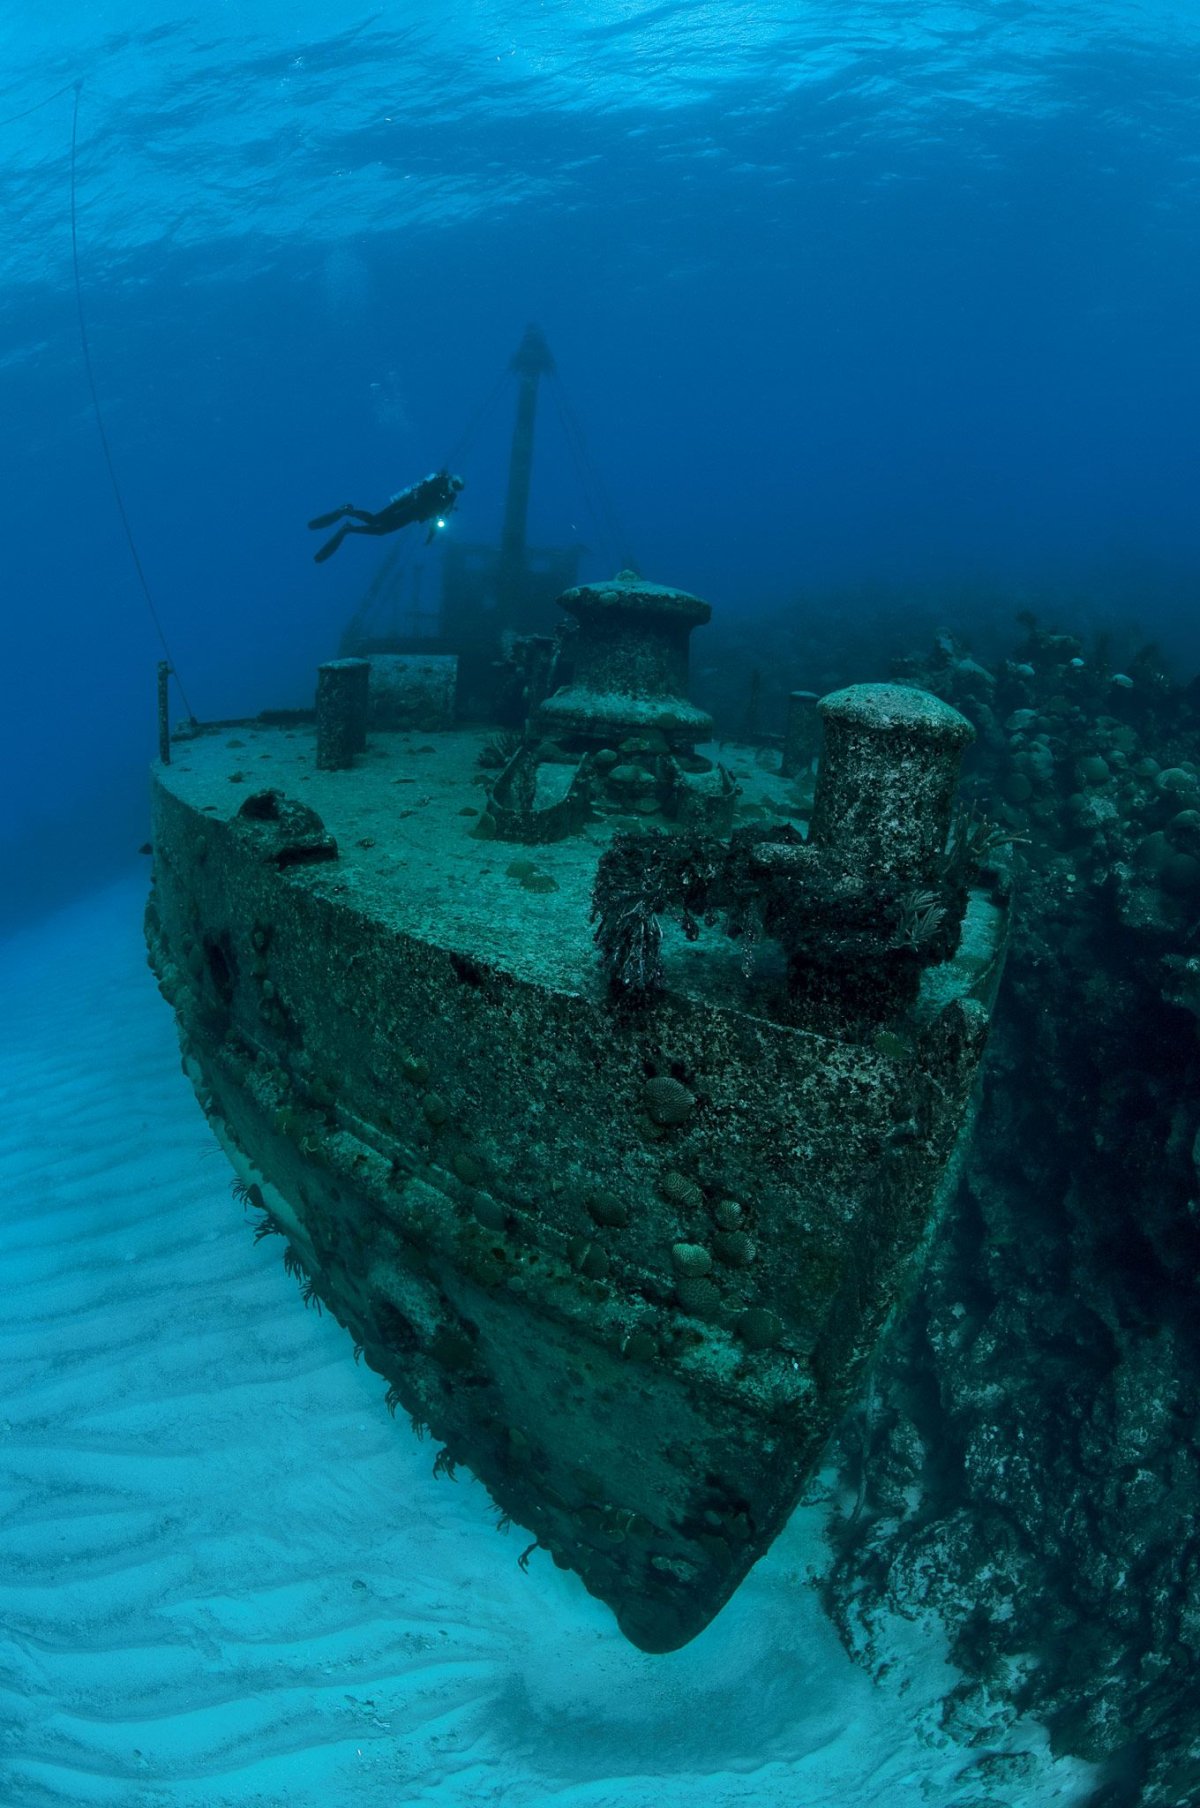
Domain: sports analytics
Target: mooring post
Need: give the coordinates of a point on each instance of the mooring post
(630, 658)
(164, 721)
(342, 686)
(886, 781)
(800, 734)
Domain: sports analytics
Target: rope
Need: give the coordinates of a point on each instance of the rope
(598, 501)
(39, 104)
(590, 501)
(91, 378)
(475, 423)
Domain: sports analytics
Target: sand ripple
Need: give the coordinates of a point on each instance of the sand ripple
(229, 1578)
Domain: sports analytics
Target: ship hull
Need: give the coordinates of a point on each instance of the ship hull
(626, 1265)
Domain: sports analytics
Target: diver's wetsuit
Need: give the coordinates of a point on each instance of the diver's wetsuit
(434, 495)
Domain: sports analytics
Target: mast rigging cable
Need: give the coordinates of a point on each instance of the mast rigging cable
(595, 494)
(595, 497)
(37, 106)
(91, 378)
(467, 436)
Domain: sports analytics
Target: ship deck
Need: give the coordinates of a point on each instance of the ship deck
(403, 816)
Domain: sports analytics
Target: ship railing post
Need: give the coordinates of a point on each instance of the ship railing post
(164, 720)
(342, 693)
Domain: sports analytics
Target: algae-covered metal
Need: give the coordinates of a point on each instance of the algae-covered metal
(626, 1257)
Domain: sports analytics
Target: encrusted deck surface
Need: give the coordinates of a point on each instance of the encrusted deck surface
(403, 816)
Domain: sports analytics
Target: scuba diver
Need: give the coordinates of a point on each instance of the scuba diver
(435, 495)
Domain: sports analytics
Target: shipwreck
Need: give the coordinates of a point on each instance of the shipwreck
(621, 1225)
(603, 1081)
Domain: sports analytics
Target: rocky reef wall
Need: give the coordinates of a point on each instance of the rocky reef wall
(1027, 1459)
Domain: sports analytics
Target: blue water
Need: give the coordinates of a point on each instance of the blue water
(858, 305)
(843, 295)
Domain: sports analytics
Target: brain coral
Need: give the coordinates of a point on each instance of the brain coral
(691, 1258)
(759, 1328)
(667, 1102)
(679, 1190)
(735, 1248)
(698, 1296)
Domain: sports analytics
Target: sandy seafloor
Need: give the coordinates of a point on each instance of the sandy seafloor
(227, 1577)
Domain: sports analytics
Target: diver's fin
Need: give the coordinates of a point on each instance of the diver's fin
(330, 547)
(333, 515)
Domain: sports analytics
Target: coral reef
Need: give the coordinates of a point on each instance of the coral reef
(1029, 1462)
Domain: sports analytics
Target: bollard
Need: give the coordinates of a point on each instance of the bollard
(164, 720)
(886, 780)
(342, 686)
(630, 656)
(799, 734)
